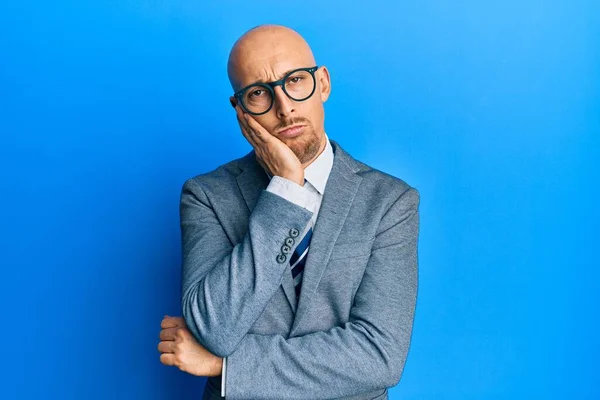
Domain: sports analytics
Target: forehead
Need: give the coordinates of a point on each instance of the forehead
(272, 65)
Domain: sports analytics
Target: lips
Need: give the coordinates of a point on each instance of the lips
(292, 131)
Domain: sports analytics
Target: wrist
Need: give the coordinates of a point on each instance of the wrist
(299, 180)
(217, 366)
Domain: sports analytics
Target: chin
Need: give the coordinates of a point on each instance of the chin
(305, 147)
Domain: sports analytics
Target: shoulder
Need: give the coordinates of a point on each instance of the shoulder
(217, 177)
(377, 183)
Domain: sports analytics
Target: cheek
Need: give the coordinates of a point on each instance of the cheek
(313, 108)
(316, 114)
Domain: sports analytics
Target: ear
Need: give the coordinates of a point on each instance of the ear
(324, 81)
(233, 101)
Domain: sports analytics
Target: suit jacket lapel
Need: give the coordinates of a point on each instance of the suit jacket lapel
(339, 193)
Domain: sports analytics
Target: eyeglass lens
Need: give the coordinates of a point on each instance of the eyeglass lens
(298, 86)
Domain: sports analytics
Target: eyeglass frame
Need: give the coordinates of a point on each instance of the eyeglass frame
(271, 86)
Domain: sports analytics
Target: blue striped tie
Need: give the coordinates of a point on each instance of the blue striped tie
(298, 260)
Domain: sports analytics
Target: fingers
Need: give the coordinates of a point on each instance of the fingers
(257, 129)
(168, 334)
(167, 347)
(256, 135)
(246, 132)
(173, 328)
(244, 125)
(251, 129)
(167, 359)
(170, 322)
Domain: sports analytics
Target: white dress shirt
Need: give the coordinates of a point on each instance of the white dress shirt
(308, 196)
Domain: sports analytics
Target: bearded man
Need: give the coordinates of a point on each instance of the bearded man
(299, 274)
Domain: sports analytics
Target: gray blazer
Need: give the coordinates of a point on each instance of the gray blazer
(348, 334)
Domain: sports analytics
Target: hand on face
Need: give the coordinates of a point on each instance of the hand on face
(179, 348)
(274, 155)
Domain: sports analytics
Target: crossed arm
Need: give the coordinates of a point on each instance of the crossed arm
(225, 288)
(366, 353)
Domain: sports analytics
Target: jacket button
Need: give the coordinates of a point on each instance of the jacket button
(285, 249)
(294, 232)
(289, 241)
(281, 258)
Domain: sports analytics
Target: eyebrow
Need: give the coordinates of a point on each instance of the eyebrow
(264, 82)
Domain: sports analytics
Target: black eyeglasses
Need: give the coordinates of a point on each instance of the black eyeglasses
(298, 85)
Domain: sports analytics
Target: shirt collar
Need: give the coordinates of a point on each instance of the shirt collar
(318, 171)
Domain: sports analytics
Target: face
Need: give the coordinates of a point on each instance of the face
(267, 60)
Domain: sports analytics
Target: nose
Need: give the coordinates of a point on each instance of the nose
(284, 106)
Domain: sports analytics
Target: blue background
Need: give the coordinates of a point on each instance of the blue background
(490, 108)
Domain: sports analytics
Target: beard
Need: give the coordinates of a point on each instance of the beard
(307, 145)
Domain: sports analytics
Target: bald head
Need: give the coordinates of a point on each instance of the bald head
(265, 50)
(266, 54)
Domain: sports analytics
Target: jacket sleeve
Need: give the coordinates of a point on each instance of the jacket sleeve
(364, 354)
(296, 194)
(225, 288)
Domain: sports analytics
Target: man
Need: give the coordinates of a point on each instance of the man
(299, 276)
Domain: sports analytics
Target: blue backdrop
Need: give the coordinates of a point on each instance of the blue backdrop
(490, 108)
